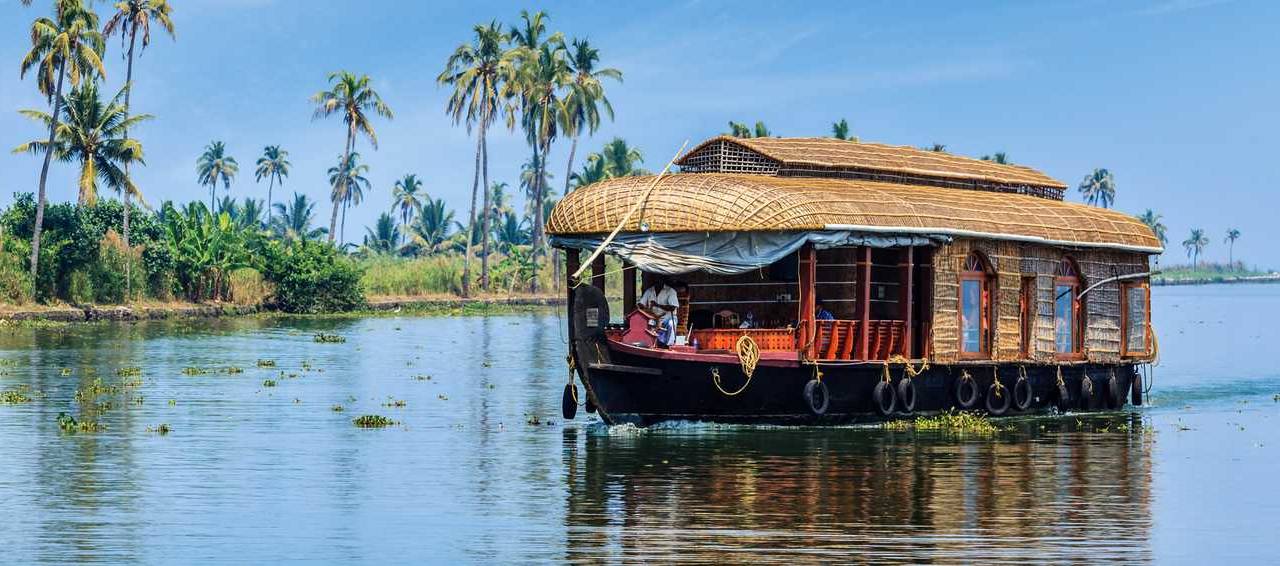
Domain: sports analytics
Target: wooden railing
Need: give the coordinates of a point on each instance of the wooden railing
(840, 340)
(783, 339)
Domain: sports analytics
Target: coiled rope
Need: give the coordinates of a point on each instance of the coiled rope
(748, 356)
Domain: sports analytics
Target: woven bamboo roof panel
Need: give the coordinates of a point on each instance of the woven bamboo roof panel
(831, 153)
(720, 202)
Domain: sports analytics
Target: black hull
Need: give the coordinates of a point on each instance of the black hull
(687, 391)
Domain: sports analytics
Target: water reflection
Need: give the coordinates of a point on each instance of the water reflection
(1056, 490)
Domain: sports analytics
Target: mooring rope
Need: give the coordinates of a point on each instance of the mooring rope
(748, 354)
(995, 379)
(907, 369)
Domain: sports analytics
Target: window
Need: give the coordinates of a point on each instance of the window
(1135, 299)
(1067, 312)
(1027, 310)
(975, 307)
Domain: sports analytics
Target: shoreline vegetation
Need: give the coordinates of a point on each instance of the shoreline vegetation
(1214, 273)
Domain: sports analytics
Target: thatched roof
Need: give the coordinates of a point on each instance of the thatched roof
(719, 202)
(831, 153)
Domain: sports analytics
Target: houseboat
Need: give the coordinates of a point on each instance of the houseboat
(829, 281)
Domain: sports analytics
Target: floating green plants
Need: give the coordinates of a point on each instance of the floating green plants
(65, 372)
(69, 424)
(13, 397)
(422, 378)
(393, 402)
(129, 372)
(234, 370)
(160, 429)
(337, 408)
(266, 363)
(194, 371)
(268, 383)
(442, 397)
(329, 338)
(373, 421)
(89, 393)
(952, 422)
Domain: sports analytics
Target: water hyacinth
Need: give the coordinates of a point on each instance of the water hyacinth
(373, 421)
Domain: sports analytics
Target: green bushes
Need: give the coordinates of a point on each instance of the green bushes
(311, 277)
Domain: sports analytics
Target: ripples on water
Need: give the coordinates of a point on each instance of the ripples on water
(265, 474)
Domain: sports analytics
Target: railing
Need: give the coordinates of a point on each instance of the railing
(839, 340)
(783, 339)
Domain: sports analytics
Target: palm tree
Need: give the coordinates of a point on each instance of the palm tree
(349, 183)
(381, 238)
(352, 97)
(529, 182)
(405, 197)
(1232, 235)
(593, 171)
(586, 97)
(740, 130)
(248, 214)
(620, 159)
(500, 203)
(215, 165)
(67, 45)
(937, 147)
(293, 220)
(92, 134)
(1195, 245)
(479, 73)
(274, 167)
(131, 17)
(1153, 221)
(431, 231)
(840, 130)
(1099, 188)
(511, 232)
(999, 157)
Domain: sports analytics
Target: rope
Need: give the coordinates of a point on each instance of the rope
(748, 354)
(1061, 383)
(573, 389)
(995, 379)
(715, 378)
(908, 370)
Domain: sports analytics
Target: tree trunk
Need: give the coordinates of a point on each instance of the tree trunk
(128, 81)
(44, 178)
(271, 183)
(471, 224)
(568, 170)
(485, 212)
(346, 155)
(539, 197)
(342, 231)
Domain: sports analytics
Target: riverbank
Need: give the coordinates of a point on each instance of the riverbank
(1217, 279)
(429, 305)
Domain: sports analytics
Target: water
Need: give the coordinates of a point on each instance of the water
(261, 474)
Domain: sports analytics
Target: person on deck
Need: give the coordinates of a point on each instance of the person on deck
(661, 301)
(821, 313)
(749, 321)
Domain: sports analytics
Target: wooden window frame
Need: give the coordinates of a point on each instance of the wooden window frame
(1077, 312)
(986, 285)
(1125, 287)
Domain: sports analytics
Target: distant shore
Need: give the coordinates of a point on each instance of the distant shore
(1217, 280)
(442, 305)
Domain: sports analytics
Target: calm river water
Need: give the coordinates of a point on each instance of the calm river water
(251, 473)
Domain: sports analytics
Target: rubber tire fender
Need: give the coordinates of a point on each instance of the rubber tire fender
(1115, 396)
(1064, 397)
(569, 407)
(589, 406)
(1135, 393)
(816, 397)
(966, 391)
(1022, 395)
(1086, 392)
(998, 402)
(907, 395)
(884, 398)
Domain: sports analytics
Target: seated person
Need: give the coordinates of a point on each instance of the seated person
(821, 313)
(749, 321)
(660, 300)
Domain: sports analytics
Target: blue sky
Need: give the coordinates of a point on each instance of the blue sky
(1177, 97)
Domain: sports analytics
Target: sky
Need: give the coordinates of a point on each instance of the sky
(1176, 97)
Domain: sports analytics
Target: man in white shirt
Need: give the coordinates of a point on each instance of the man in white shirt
(661, 301)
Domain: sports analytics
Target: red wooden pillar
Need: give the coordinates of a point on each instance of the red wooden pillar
(628, 287)
(808, 298)
(864, 304)
(905, 300)
(597, 273)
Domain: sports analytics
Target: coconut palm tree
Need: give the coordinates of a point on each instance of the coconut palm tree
(405, 196)
(593, 171)
(248, 214)
(430, 233)
(511, 232)
(1153, 221)
(352, 97)
(215, 165)
(741, 130)
(840, 130)
(66, 46)
(274, 167)
(620, 159)
(998, 157)
(1099, 188)
(381, 238)
(479, 72)
(293, 219)
(938, 147)
(1232, 235)
(586, 97)
(500, 203)
(529, 182)
(131, 17)
(92, 134)
(1195, 245)
(349, 184)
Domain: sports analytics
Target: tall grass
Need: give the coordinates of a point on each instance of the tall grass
(442, 275)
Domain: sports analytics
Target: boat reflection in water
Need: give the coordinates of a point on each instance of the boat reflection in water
(1052, 490)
